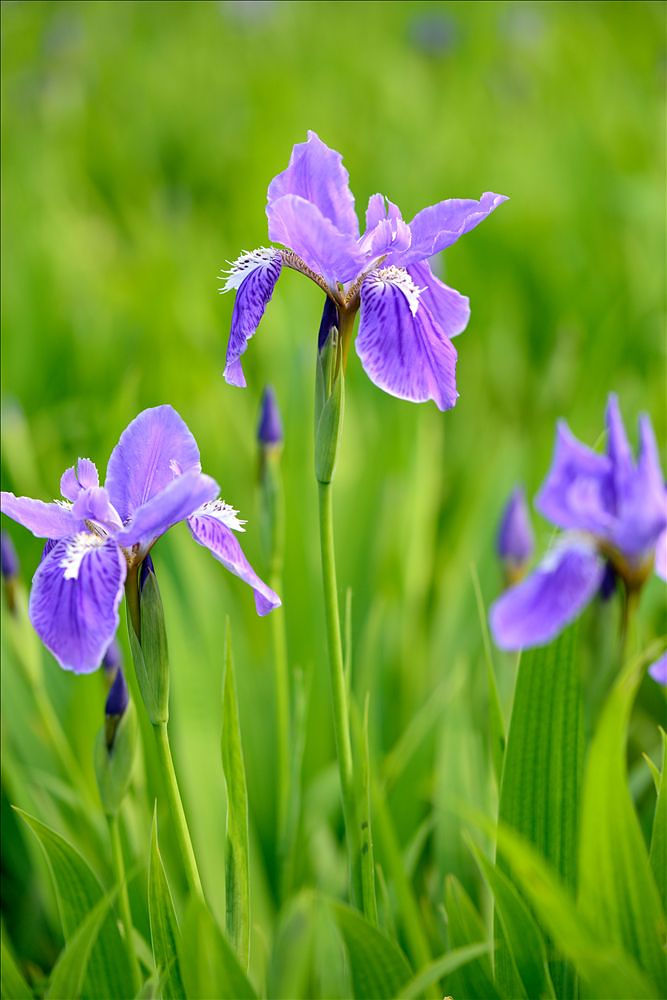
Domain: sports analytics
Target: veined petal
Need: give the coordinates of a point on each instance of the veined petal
(45, 520)
(316, 173)
(179, 498)
(579, 490)
(449, 308)
(79, 477)
(440, 225)
(155, 445)
(74, 599)
(402, 348)
(538, 608)
(299, 225)
(212, 528)
(254, 275)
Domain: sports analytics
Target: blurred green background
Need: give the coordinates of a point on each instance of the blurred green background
(138, 143)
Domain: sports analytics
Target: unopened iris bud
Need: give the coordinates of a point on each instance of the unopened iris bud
(608, 585)
(112, 660)
(515, 541)
(9, 567)
(115, 747)
(149, 650)
(329, 393)
(270, 428)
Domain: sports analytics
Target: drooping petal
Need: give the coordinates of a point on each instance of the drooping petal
(79, 477)
(578, 492)
(151, 450)
(45, 520)
(212, 527)
(299, 225)
(440, 225)
(316, 173)
(538, 608)
(179, 498)
(254, 275)
(74, 599)
(658, 670)
(449, 308)
(402, 348)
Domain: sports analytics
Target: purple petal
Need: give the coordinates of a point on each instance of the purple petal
(618, 446)
(316, 173)
(82, 476)
(402, 348)
(440, 225)
(93, 504)
(74, 599)
(380, 208)
(448, 307)
(270, 427)
(174, 503)
(579, 490)
(45, 520)
(387, 235)
(151, 450)
(661, 556)
(538, 608)
(254, 275)
(299, 225)
(9, 561)
(658, 670)
(641, 502)
(208, 527)
(516, 541)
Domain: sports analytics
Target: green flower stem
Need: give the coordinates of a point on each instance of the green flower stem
(177, 813)
(124, 902)
(339, 690)
(283, 728)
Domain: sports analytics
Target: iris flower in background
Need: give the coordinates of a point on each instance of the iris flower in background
(613, 510)
(408, 316)
(516, 541)
(97, 533)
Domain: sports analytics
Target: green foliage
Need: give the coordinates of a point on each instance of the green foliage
(164, 926)
(69, 972)
(12, 984)
(378, 967)
(208, 963)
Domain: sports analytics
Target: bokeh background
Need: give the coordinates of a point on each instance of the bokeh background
(138, 142)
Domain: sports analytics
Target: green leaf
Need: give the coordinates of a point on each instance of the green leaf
(12, 984)
(496, 721)
(78, 892)
(466, 927)
(308, 955)
(658, 852)
(608, 973)
(617, 891)
(236, 862)
(441, 968)
(209, 966)
(377, 965)
(164, 926)
(520, 935)
(67, 977)
(541, 784)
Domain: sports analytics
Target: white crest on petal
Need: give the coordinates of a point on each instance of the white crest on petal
(78, 547)
(222, 512)
(65, 504)
(399, 278)
(244, 265)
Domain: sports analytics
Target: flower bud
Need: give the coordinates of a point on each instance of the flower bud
(112, 659)
(515, 542)
(115, 746)
(658, 670)
(149, 650)
(270, 428)
(329, 393)
(9, 568)
(608, 584)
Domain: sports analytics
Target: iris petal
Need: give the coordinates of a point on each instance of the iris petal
(183, 495)
(74, 599)
(300, 225)
(259, 272)
(538, 608)
(437, 227)
(45, 520)
(449, 308)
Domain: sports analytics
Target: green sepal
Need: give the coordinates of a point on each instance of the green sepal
(113, 764)
(150, 655)
(329, 404)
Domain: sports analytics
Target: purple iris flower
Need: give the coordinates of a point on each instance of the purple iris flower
(613, 510)
(96, 534)
(408, 316)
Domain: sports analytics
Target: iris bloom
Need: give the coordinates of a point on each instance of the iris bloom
(614, 512)
(96, 534)
(408, 316)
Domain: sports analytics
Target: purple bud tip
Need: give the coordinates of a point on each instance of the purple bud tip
(329, 319)
(146, 568)
(658, 670)
(516, 542)
(118, 697)
(9, 561)
(113, 658)
(608, 585)
(270, 428)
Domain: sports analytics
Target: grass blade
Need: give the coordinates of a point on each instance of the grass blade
(164, 926)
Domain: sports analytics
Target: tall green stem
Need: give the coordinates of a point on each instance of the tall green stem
(176, 811)
(124, 901)
(283, 728)
(339, 689)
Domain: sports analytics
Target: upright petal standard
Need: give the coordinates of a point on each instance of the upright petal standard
(408, 316)
(97, 534)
